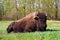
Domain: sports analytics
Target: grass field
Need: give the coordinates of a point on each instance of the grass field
(52, 33)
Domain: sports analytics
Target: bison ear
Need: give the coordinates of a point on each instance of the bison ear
(36, 18)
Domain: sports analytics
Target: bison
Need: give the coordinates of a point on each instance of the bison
(35, 21)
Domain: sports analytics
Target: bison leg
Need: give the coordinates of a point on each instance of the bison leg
(27, 30)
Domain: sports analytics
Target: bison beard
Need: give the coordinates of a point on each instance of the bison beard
(35, 21)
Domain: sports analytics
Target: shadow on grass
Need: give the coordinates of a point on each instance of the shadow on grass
(52, 30)
(33, 31)
(40, 31)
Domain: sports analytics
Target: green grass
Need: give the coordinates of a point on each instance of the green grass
(52, 33)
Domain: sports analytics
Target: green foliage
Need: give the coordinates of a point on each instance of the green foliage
(6, 4)
(21, 8)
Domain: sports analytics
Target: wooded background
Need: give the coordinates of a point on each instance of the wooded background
(16, 9)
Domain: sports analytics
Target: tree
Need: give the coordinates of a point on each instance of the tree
(1, 11)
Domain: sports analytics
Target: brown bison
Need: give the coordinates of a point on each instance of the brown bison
(35, 21)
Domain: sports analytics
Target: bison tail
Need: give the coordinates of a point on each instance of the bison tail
(10, 27)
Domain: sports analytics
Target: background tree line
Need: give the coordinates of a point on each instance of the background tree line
(16, 9)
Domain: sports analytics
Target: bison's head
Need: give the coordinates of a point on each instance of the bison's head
(41, 21)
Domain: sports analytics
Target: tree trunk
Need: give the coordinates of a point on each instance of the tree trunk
(56, 14)
(16, 9)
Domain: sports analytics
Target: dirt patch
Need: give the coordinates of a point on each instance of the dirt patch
(2, 33)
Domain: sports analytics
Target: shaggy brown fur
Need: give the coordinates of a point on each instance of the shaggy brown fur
(32, 22)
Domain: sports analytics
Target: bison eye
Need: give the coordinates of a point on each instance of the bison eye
(36, 18)
(37, 15)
